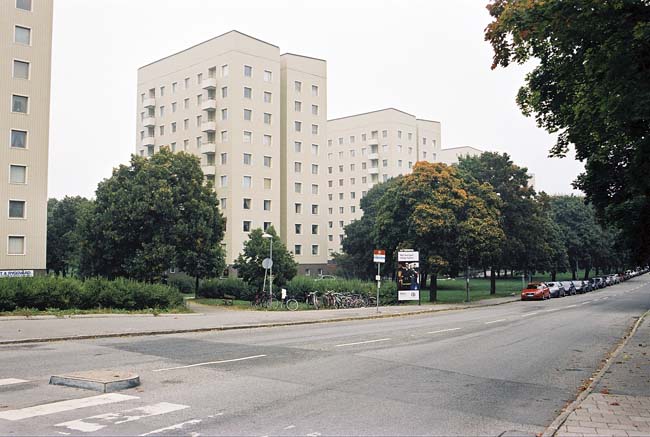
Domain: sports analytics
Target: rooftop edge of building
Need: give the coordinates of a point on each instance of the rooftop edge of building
(382, 110)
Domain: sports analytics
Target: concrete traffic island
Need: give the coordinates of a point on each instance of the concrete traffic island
(103, 381)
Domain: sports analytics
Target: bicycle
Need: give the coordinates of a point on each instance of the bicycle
(288, 304)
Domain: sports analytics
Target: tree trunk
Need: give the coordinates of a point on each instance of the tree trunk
(196, 286)
(574, 274)
(553, 275)
(493, 283)
(484, 273)
(433, 289)
(597, 271)
(587, 270)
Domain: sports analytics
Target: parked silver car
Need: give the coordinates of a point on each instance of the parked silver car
(569, 289)
(556, 289)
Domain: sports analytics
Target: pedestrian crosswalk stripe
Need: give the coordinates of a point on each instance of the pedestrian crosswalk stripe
(11, 381)
(58, 407)
(95, 423)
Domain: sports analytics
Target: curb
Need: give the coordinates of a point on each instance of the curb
(552, 429)
(239, 327)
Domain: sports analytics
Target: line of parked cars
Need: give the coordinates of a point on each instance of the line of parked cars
(548, 290)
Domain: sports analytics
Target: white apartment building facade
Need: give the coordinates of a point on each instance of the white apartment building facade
(25, 74)
(226, 100)
(366, 149)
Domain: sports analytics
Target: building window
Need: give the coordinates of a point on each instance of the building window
(247, 204)
(17, 174)
(248, 137)
(224, 114)
(297, 126)
(246, 226)
(224, 181)
(314, 90)
(298, 208)
(298, 228)
(297, 146)
(174, 87)
(224, 92)
(248, 71)
(314, 189)
(297, 187)
(19, 104)
(199, 78)
(21, 70)
(297, 86)
(24, 4)
(267, 183)
(314, 229)
(224, 158)
(248, 114)
(223, 202)
(297, 249)
(16, 245)
(174, 105)
(186, 83)
(267, 118)
(314, 109)
(16, 209)
(267, 161)
(267, 97)
(18, 139)
(385, 163)
(314, 209)
(410, 136)
(314, 129)
(267, 140)
(225, 70)
(248, 159)
(340, 141)
(314, 169)
(353, 195)
(248, 92)
(297, 106)
(22, 35)
(297, 167)
(314, 149)
(268, 76)
(341, 195)
(224, 136)
(247, 181)
(267, 225)
(267, 205)
(173, 127)
(424, 141)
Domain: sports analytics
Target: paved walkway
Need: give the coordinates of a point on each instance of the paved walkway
(620, 404)
(22, 329)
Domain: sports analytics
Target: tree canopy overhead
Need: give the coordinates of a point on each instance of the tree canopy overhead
(591, 85)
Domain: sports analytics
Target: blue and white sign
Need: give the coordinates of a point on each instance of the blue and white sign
(16, 273)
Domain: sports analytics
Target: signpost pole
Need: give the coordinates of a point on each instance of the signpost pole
(467, 282)
(378, 283)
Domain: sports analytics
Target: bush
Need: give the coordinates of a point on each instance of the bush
(54, 292)
(300, 286)
(182, 283)
(217, 288)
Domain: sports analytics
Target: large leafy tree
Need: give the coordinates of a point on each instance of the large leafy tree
(151, 215)
(63, 238)
(452, 220)
(249, 262)
(591, 85)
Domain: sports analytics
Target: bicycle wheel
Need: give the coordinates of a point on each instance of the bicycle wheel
(292, 304)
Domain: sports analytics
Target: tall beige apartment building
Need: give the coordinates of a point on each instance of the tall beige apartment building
(366, 149)
(25, 71)
(251, 114)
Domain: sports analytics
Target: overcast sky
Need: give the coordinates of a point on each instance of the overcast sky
(425, 57)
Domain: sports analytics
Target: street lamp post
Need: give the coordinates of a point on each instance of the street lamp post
(270, 237)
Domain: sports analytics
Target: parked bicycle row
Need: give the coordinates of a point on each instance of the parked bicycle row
(330, 300)
(548, 290)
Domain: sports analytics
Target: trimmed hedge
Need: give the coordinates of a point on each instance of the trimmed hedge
(217, 288)
(52, 292)
(300, 286)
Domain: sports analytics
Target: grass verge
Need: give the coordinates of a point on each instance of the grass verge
(31, 312)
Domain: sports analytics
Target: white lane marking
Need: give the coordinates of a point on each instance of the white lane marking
(495, 321)
(101, 421)
(58, 407)
(443, 330)
(529, 314)
(605, 298)
(11, 381)
(63, 433)
(289, 427)
(551, 310)
(586, 303)
(571, 306)
(172, 427)
(208, 363)
(362, 342)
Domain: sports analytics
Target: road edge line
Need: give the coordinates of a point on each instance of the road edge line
(553, 428)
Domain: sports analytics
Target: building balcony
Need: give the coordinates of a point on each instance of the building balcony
(209, 105)
(209, 83)
(209, 126)
(372, 141)
(209, 170)
(148, 141)
(373, 156)
(209, 148)
(373, 170)
(149, 122)
(149, 103)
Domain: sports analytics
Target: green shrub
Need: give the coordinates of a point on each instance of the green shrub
(217, 288)
(300, 286)
(182, 283)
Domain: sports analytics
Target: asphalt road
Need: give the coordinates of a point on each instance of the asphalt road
(480, 371)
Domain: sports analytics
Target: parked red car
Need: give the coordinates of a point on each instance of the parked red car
(536, 291)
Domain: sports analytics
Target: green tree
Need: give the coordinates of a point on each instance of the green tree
(63, 239)
(591, 85)
(249, 262)
(151, 215)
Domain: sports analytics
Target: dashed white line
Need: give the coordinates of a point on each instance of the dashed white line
(209, 363)
(289, 427)
(443, 330)
(495, 321)
(58, 407)
(529, 314)
(362, 342)
(172, 427)
(11, 381)
(571, 306)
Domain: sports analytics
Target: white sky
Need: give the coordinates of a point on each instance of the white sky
(425, 57)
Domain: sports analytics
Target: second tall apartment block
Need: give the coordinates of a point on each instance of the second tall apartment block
(254, 117)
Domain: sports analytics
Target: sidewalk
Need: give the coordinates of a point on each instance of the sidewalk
(620, 402)
(50, 328)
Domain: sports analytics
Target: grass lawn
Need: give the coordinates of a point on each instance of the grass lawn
(31, 312)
